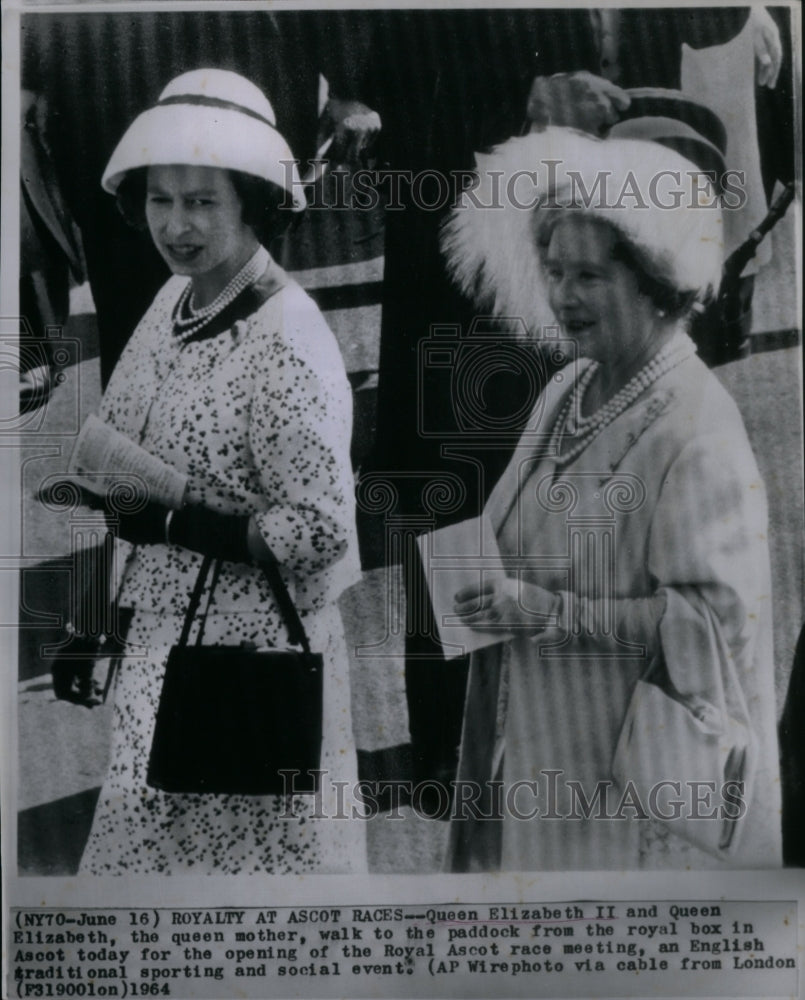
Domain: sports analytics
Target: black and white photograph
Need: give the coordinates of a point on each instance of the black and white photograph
(403, 483)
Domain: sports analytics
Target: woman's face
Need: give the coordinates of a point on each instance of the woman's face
(595, 298)
(194, 216)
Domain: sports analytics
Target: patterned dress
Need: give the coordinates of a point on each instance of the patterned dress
(256, 412)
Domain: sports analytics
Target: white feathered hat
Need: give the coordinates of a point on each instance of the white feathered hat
(658, 200)
(208, 118)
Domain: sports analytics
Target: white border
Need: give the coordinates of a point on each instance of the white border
(233, 891)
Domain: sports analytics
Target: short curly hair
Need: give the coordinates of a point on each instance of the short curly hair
(265, 206)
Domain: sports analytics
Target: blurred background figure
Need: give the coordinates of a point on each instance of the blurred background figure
(50, 254)
(729, 79)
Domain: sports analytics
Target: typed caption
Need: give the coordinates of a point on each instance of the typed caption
(555, 949)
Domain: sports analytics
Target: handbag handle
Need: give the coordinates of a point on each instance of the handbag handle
(215, 574)
(290, 616)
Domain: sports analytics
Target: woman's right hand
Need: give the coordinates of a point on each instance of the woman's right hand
(194, 526)
(507, 603)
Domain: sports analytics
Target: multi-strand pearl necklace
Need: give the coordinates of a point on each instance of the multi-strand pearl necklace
(570, 422)
(187, 320)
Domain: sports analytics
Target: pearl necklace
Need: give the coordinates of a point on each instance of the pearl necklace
(188, 320)
(570, 422)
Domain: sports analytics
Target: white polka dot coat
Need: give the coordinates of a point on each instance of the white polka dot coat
(258, 417)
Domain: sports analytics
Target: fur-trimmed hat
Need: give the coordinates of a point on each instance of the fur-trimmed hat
(655, 198)
(208, 118)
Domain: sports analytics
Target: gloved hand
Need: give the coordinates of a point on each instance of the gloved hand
(143, 527)
(354, 128)
(575, 100)
(223, 536)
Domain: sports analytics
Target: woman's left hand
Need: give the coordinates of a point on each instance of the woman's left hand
(507, 603)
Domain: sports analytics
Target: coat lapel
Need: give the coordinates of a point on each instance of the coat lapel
(532, 446)
(608, 451)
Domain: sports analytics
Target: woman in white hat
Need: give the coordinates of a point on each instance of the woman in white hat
(626, 698)
(234, 379)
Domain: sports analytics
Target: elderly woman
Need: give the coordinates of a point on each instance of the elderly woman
(234, 379)
(627, 705)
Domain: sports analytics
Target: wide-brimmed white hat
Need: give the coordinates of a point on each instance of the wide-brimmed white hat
(658, 200)
(209, 118)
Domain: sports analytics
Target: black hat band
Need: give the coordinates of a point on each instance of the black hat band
(215, 102)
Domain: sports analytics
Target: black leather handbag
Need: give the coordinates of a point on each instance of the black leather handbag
(234, 719)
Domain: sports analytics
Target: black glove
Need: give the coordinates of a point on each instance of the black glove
(222, 536)
(145, 527)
